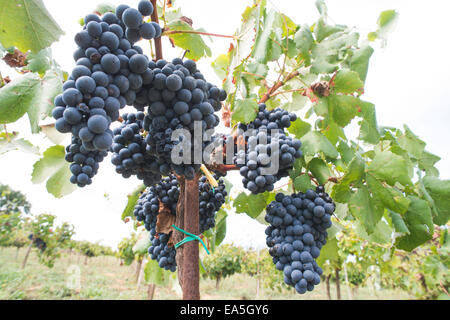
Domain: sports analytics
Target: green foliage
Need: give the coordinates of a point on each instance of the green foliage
(356, 277)
(53, 168)
(252, 204)
(30, 94)
(88, 249)
(55, 237)
(216, 235)
(224, 262)
(259, 264)
(375, 180)
(125, 249)
(153, 274)
(27, 25)
(12, 201)
(12, 142)
(194, 43)
(132, 200)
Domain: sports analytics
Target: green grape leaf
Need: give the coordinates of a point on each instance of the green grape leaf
(346, 152)
(52, 134)
(390, 197)
(366, 209)
(299, 128)
(389, 167)
(302, 183)
(220, 66)
(29, 94)
(319, 170)
(142, 244)
(329, 252)
(188, 41)
(17, 97)
(328, 53)
(344, 108)
(221, 231)
(359, 62)
(292, 50)
(132, 201)
(171, 15)
(42, 104)
(353, 175)
(103, 8)
(386, 23)
(398, 222)
(27, 25)
(427, 162)
(39, 62)
(321, 107)
(153, 274)
(439, 191)
(297, 103)
(411, 143)
(13, 142)
(419, 222)
(258, 68)
(263, 44)
(304, 42)
(323, 30)
(369, 128)
(334, 132)
(252, 204)
(245, 110)
(381, 233)
(314, 142)
(347, 81)
(53, 168)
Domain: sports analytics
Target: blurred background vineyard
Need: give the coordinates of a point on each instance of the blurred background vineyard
(41, 260)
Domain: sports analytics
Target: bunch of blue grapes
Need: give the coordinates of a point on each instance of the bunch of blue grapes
(38, 242)
(263, 146)
(164, 196)
(129, 151)
(110, 71)
(210, 201)
(297, 232)
(132, 20)
(178, 97)
(84, 163)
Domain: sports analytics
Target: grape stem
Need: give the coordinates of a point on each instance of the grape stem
(158, 44)
(287, 91)
(223, 167)
(169, 32)
(8, 138)
(277, 85)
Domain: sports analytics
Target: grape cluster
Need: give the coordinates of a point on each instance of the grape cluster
(136, 28)
(297, 232)
(129, 151)
(109, 73)
(84, 163)
(263, 146)
(178, 97)
(211, 200)
(164, 196)
(38, 242)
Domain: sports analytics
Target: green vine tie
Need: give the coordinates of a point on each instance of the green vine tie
(191, 237)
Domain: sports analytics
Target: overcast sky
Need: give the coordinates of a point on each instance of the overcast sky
(408, 81)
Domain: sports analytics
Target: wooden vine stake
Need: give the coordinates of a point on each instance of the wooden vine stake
(187, 218)
(190, 265)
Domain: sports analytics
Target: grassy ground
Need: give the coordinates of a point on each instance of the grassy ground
(105, 278)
